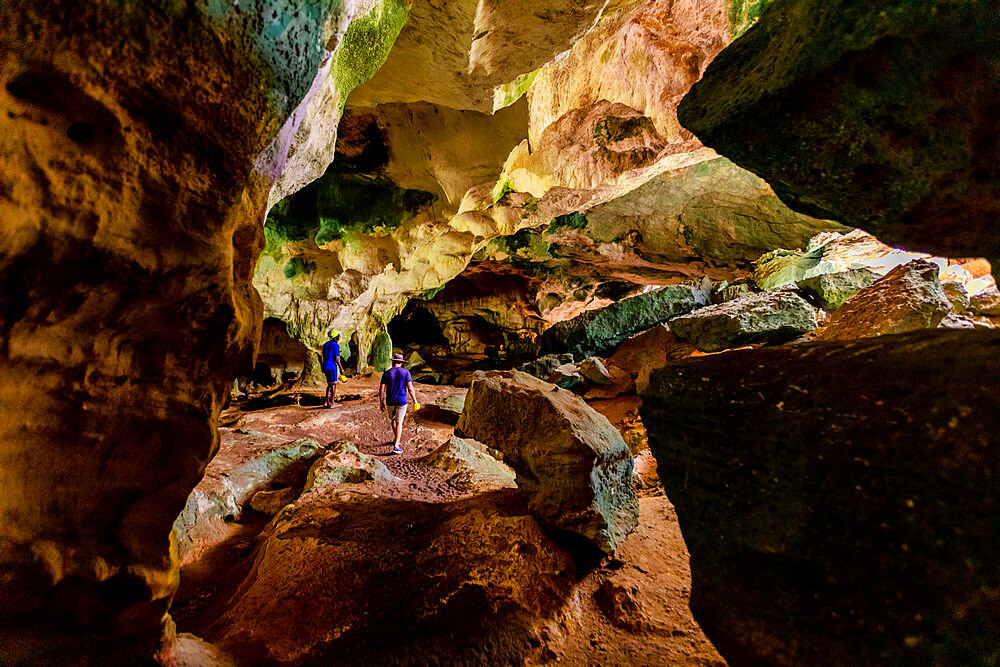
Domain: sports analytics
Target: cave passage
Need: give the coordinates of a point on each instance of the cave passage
(635, 257)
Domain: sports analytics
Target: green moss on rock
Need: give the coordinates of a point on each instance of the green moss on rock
(366, 44)
(743, 14)
(382, 352)
(508, 93)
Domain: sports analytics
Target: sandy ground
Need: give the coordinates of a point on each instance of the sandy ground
(632, 609)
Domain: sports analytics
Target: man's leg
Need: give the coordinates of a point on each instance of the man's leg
(398, 427)
(332, 389)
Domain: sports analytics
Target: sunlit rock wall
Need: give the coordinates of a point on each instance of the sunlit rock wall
(131, 212)
(591, 134)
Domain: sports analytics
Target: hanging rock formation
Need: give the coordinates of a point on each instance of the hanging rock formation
(881, 115)
(579, 477)
(839, 499)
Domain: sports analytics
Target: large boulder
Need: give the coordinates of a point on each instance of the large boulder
(881, 114)
(649, 350)
(840, 499)
(355, 578)
(907, 298)
(829, 291)
(569, 459)
(469, 464)
(543, 366)
(344, 463)
(756, 318)
(986, 302)
(600, 332)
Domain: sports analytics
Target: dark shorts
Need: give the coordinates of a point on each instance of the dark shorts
(331, 375)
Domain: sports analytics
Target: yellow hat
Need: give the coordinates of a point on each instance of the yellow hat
(334, 333)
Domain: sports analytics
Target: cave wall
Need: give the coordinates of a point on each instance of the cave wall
(131, 194)
(882, 116)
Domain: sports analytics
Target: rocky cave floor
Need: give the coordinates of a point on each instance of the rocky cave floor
(366, 562)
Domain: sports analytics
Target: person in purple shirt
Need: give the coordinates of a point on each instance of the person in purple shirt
(332, 366)
(396, 384)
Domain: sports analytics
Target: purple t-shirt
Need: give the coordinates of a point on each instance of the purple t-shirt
(395, 380)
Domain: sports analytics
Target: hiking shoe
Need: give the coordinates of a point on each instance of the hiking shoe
(397, 450)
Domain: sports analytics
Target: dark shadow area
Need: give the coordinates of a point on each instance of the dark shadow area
(416, 326)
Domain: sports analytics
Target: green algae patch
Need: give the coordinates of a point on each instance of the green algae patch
(508, 93)
(298, 266)
(743, 14)
(576, 220)
(366, 45)
(339, 206)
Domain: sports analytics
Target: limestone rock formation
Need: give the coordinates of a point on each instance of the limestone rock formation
(593, 369)
(879, 115)
(647, 351)
(473, 556)
(251, 462)
(618, 383)
(566, 376)
(469, 464)
(578, 475)
(599, 332)
(821, 498)
(456, 53)
(600, 148)
(986, 302)
(908, 297)
(271, 502)
(957, 295)
(543, 366)
(829, 291)
(342, 463)
(756, 318)
(135, 178)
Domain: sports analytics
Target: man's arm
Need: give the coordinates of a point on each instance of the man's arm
(381, 397)
(340, 365)
(413, 394)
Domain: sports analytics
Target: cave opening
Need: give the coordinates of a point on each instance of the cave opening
(416, 325)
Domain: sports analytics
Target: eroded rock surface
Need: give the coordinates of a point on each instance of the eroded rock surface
(342, 463)
(821, 498)
(473, 555)
(879, 115)
(468, 463)
(907, 298)
(250, 462)
(131, 208)
(599, 332)
(578, 477)
(829, 291)
(755, 318)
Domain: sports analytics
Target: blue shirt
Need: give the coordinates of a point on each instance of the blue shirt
(331, 350)
(395, 380)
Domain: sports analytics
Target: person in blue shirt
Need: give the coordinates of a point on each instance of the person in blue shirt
(396, 384)
(332, 366)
